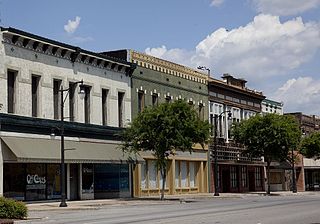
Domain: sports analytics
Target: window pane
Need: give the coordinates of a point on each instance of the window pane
(177, 174)
(124, 178)
(87, 178)
(14, 181)
(152, 175)
(143, 176)
(192, 174)
(53, 181)
(36, 182)
(184, 174)
(106, 180)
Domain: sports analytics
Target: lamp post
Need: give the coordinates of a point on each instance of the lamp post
(216, 117)
(62, 164)
(294, 183)
(204, 68)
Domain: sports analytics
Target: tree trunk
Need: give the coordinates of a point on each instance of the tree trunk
(268, 176)
(164, 177)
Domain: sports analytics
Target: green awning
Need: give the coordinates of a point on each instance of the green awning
(37, 150)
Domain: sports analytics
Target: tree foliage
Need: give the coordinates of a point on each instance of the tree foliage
(310, 146)
(271, 136)
(163, 130)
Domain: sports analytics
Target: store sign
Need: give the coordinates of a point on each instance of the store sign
(35, 179)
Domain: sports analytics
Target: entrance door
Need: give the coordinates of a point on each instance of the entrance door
(74, 182)
(252, 182)
(225, 181)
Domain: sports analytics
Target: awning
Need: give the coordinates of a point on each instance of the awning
(48, 151)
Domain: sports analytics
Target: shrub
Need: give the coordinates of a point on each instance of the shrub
(12, 209)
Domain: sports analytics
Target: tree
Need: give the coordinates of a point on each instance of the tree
(270, 136)
(164, 129)
(310, 146)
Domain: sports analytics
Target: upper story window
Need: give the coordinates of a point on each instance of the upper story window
(120, 108)
(168, 98)
(105, 106)
(72, 104)
(236, 116)
(201, 111)
(141, 101)
(35, 80)
(87, 90)
(56, 98)
(11, 90)
(247, 114)
(155, 99)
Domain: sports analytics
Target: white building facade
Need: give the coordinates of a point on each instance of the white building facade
(33, 71)
(271, 106)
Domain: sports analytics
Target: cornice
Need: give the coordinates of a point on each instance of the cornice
(246, 91)
(53, 48)
(157, 64)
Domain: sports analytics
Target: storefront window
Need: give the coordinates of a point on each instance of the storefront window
(244, 182)
(14, 181)
(184, 174)
(153, 173)
(177, 173)
(143, 176)
(87, 178)
(53, 181)
(234, 176)
(258, 177)
(124, 178)
(35, 182)
(106, 180)
(192, 174)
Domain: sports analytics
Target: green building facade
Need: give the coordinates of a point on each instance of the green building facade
(156, 81)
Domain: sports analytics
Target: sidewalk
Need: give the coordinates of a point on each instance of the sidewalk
(185, 198)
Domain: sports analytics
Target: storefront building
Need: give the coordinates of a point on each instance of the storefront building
(33, 72)
(231, 101)
(308, 175)
(157, 81)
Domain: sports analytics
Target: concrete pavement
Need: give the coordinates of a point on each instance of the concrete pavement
(96, 204)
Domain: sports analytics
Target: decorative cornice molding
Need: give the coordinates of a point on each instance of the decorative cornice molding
(157, 64)
(53, 48)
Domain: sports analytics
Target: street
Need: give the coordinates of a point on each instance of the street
(242, 210)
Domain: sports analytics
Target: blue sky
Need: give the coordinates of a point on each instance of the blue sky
(273, 44)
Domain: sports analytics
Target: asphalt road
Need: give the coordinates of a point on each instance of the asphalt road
(246, 210)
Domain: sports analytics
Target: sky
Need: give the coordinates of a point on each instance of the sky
(273, 44)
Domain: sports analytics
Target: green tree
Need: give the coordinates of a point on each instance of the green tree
(163, 130)
(310, 146)
(271, 136)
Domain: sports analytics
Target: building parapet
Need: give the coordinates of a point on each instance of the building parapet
(167, 67)
(47, 46)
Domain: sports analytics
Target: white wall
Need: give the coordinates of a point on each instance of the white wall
(28, 62)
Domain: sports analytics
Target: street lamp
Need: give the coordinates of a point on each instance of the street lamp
(204, 68)
(216, 117)
(62, 165)
(294, 183)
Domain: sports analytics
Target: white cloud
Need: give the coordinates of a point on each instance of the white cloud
(284, 7)
(263, 48)
(72, 25)
(299, 94)
(157, 52)
(216, 3)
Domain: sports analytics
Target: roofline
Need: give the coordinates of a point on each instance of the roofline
(266, 100)
(63, 45)
(166, 61)
(237, 89)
